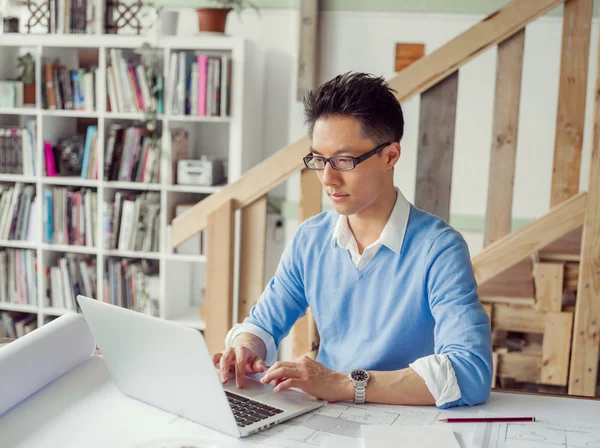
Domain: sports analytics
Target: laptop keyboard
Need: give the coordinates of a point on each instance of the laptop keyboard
(248, 411)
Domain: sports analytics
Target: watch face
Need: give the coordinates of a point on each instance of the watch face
(360, 375)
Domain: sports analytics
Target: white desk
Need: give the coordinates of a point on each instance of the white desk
(85, 409)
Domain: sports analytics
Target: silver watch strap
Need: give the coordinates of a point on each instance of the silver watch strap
(359, 394)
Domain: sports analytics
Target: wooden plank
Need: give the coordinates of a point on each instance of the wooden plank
(488, 308)
(218, 304)
(308, 57)
(406, 54)
(305, 335)
(523, 367)
(509, 68)
(495, 357)
(521, 301)
(549, 279)
(435, 149)
(516, 318)
(413, 80)
(569, 244)
(519, 245)
(310, 195)
(314, 339)
(492, 30)
(571, 276)
(252, 252)
(556, 348)
(516, 281)
(577, 21)
(586, 339)
(255, 183)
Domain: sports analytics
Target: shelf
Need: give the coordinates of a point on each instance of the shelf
(18, 111)
(199, 119)
(69, 113)
(18, 244)
(18, 178)
(72, 40)
(70, 248)
(4, 306)
(194, 188)
(190, 319)
(56, 311)
(131, 254)
(187, 257)
(70, 181)
(118, 185)
(125, 115)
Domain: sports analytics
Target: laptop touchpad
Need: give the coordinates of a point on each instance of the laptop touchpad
(252, 388)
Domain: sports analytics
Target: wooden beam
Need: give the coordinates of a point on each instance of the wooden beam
(549, 279)
(586, 335)
(509, 68)
(577, 21)
(253, 242)
(520, 319)
(520, 366)
(218, 303)
(519, 245)
(305, 333)
(556, 348)
(435, 149)
(411, 81)
(308, 57)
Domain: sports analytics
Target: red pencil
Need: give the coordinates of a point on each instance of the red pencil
(489, 419)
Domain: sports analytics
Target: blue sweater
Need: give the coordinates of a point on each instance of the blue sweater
(394, 310)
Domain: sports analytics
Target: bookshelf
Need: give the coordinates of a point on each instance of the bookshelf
(234, 138)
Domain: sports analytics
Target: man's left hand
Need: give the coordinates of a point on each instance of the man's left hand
(311, 377)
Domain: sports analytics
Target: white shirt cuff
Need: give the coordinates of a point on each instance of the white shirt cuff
(439, 376)
(271, 355)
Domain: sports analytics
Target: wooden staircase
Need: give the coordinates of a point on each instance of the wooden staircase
(525, 277)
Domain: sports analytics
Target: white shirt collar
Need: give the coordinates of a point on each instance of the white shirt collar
(392, 235)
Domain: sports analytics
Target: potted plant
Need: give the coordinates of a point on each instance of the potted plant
(213, 19)
(27, 64)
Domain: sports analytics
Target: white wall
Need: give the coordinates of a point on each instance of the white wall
(366, 42)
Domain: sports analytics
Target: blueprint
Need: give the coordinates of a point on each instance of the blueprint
(540, 434)
(339, 422)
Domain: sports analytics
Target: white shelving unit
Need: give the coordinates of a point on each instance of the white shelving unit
(235, 138)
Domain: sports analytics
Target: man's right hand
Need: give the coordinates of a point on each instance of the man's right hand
(241, 360)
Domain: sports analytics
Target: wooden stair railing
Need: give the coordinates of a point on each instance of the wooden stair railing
(436, 76)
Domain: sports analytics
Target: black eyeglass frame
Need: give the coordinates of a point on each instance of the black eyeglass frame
(355, 160)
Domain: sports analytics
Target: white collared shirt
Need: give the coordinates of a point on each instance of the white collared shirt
(436, 370)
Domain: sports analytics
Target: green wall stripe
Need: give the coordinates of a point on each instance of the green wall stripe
(465, 223)
(416, 6)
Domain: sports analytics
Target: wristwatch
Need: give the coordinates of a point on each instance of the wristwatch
(359, 378)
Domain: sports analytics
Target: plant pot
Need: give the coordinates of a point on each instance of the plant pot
(29, 94)
(212, 19)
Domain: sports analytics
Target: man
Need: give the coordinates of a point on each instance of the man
(391, 287)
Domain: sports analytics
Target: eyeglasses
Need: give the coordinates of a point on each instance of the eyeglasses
(340, 163)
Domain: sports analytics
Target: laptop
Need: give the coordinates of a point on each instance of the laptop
(169, 366)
